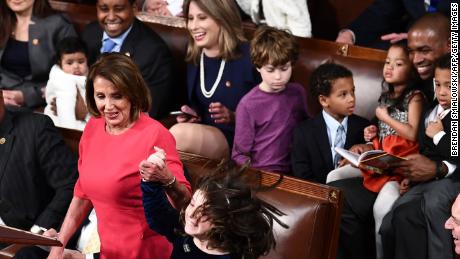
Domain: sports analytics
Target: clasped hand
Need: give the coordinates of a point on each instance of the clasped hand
(154, 168)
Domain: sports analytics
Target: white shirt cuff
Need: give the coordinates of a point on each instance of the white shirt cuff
(89, 256)
(438, 136)
(451, 167)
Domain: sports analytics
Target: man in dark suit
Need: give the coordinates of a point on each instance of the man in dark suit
(313, 155)
(425, 203)
(117, 24)
(37, 171)
(386, 21)
(415, 226)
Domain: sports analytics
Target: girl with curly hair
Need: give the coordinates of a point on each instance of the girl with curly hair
(225, 219)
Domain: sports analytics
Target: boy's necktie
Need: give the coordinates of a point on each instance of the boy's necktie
(339, 142)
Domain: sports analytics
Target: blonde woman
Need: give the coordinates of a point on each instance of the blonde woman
(219, 74)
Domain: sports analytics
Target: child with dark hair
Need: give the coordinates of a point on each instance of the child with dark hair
(313, 155)
(436, 138)
(66, 81)
(225, 219)
(268, 114)
(399, 113)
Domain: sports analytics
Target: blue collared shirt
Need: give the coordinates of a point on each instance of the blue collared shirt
(118, 40)
(331, 126)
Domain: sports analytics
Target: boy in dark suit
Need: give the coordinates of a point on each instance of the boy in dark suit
(435, 131)
(313, 154)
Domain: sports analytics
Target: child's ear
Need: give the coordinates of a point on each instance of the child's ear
(323, 100)
(258, 69)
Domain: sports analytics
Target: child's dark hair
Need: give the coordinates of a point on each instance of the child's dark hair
(69, 45)
(273, 46)
(388, 89)
(323, 77)
(444, 62)
(242, 223)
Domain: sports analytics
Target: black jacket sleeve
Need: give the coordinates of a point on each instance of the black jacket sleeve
(160, 215)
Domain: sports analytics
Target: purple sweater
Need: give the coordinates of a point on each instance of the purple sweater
(264, 126)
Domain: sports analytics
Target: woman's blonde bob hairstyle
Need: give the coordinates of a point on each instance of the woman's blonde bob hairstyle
(227, 16)
(124, 74)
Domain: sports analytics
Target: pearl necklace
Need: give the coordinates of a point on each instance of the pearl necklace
(209, 93)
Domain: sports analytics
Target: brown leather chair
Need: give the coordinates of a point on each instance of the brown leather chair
(312, 211)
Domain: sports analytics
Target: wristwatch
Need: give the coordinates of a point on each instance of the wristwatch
(441, 170)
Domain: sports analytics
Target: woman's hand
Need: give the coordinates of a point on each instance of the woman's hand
(186, 117)
(51, 233)
(56, 252)
(67, 253)
(370, 132)
(433, 128)
(154, 169)
(220, 113)
(381, 112)
(158, 7)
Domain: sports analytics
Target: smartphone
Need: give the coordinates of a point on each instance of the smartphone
(177, 113)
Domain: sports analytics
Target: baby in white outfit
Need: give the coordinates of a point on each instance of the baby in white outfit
(67, 78)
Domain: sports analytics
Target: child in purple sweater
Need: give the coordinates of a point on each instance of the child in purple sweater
(268, 114)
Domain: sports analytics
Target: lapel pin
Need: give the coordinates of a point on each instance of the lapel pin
(35, 41)
(2, 141)
(228, 84)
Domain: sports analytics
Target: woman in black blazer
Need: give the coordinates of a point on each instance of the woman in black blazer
(29, 33)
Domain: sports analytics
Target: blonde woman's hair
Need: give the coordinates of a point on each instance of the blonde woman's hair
(225, 13)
